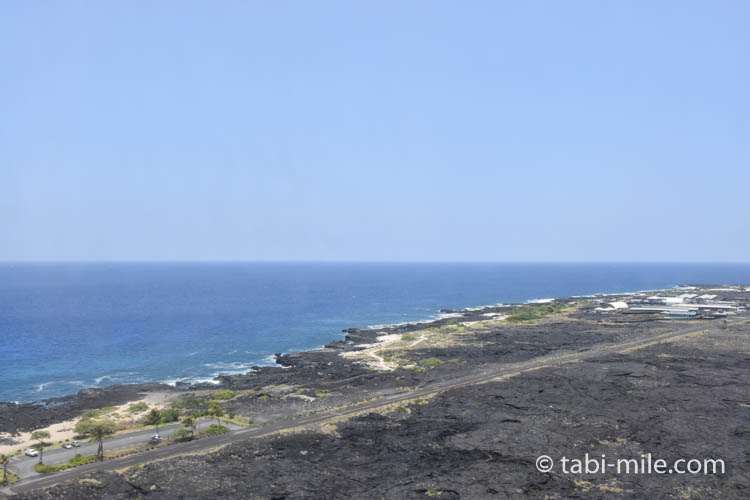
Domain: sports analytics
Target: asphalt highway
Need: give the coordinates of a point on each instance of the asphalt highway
(23, 466)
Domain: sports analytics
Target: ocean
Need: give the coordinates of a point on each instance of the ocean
(67, 326)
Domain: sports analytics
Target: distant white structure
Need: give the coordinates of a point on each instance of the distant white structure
(612, 306)
(707, 296)
(672, 312)
(656, 299)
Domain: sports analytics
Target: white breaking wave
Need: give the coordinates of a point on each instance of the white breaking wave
(540, 301)
(270, 359)
(204, 380)
(235, 365)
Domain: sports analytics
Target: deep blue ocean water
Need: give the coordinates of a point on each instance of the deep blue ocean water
(64, 327)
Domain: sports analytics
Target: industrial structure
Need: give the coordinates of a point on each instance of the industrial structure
(686, 305)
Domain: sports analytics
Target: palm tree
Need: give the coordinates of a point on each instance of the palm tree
(4, 461)
(190, 423)
(153, 418)
(217, 412)
(100, 431)
(40, 436)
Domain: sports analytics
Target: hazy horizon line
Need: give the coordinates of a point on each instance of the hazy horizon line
(354, 261)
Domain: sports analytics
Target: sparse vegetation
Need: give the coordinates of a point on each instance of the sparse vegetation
(432, 362)
(223, 395)
(189, 402)
(408, 337)
(214, 430)
(182, 435)
(89, 414)
(169, 415)
(48, 469)
(531, 312)
(80, 460)
(139, 407)
(449, 329)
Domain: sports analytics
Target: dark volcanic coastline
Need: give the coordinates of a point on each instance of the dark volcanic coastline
(686, 398)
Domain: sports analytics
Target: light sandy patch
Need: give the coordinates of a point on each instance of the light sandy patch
(121, 415)
(62, 431)
(157, 399)
(494, 315)
(370, 356)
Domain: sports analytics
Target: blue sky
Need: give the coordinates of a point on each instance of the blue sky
(458, 131)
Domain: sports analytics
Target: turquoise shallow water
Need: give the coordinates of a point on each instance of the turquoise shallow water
(64, 327)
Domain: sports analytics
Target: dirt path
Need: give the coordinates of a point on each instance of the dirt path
(381, 364)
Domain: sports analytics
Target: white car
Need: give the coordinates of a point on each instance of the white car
(75, 444)
(67, 446)
(156, 438)
(31, 452)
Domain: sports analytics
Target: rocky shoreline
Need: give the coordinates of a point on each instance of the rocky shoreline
(686, 398)
(318, 366)
(24, 417)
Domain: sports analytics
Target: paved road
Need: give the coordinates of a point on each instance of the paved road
(245, 433)
(23, 466)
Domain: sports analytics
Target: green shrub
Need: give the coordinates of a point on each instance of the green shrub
(12, 478)
(189, 401)
(408, 337)
(432, 362)
(170, 415)
(181, 435)
(84, 426)
(223, 395)
(139, 407)
(80, 460)
(48, 469)
(449, 329)
(531, 312)
(264, 396)
(214, 429)
(88, 414)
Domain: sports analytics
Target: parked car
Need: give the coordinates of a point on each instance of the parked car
(31, 452)
(156, 438)
(75, 444)
(67, 446)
